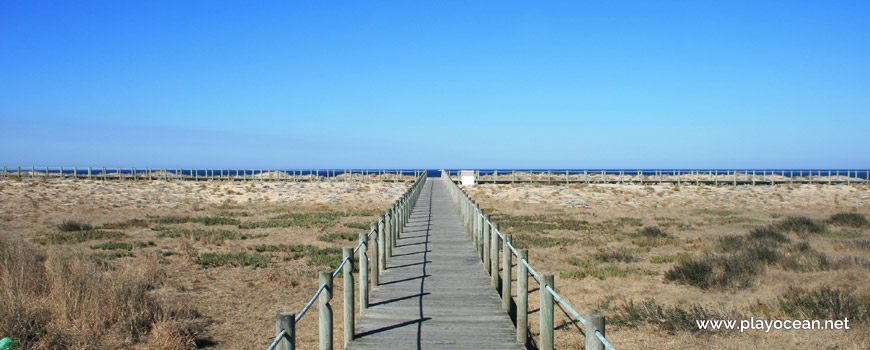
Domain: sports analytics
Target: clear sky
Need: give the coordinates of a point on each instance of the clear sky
(410, 84)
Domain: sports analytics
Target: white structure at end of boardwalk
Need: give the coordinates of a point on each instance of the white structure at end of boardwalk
(467, 177)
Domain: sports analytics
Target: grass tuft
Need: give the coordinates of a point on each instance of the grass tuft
(74, 226)
(848, 219)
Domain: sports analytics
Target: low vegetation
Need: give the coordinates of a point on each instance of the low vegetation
(205, 220)
(796, 303)
(206, 236)
(232, 259)
(76, 236)
(74, 226)
(316, 256)
(63, 301)
(848, 219)
(343, 236)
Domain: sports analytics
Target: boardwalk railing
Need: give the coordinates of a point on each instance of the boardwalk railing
(486, 238)
(193, 174)
(377, 244)
(679, 177)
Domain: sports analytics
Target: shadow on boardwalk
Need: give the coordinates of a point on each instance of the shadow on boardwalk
(435, 293)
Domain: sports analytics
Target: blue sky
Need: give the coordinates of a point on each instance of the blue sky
(279, 84)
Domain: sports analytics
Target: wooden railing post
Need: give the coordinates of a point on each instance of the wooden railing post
(506, 263)
(375, 272)
(326, 311)
(382, 249)
(363, 272)
(348, 296)
(547, 312)
(594, 322)
(485, 245)
(474, 221)
(522, 297)
(286, 321)
(388, 233)
(493, 255)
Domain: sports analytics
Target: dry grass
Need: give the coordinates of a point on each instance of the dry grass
(653, 259)
(59, 300)
(188, 274)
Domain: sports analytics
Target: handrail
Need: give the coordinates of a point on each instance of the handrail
(388, 227)
(467, 207)
(310, 302)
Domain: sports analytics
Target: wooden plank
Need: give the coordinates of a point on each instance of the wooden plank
(434, 293)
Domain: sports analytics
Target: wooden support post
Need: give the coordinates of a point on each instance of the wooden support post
(382, 240)
(487, 265)
(483, 243)
(388, 233)
(546, 311)
(506, 263)
(348, 296)
(286, 321)
(90, 171)
(522, 297)
(325, 311)
(375, 269)
(594, 323)
(363, 272)
(493, 255)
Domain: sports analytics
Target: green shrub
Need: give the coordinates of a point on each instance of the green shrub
(768, 233)
(653, 231)
(667, 318)
(74, 226)
(824, 303)
(848, 219)
(695, 272)
(800, 224)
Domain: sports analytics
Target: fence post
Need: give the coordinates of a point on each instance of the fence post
(493, 255)
(547, 312)
(363, 272)
(286, 321)
(326, 311)
(348, 296)
(506, 274)
(522, 297)
(382, 252)
(375, 271)
(485, 247)
(388, 232)
(483, 243)
(594, 322)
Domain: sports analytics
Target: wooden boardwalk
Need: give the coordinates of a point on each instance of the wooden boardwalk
(435, 293)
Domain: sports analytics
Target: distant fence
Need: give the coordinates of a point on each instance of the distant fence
(194, 174)
(679, 177)
(383, 236)
(485, 236)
